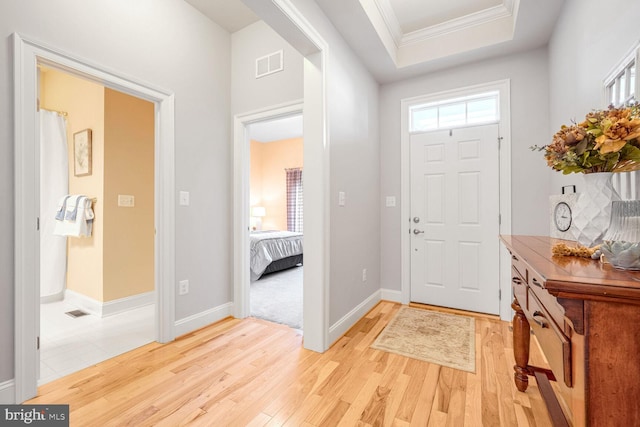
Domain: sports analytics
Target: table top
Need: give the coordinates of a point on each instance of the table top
(570, 276)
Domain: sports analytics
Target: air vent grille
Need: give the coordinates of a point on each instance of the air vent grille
(269, 64)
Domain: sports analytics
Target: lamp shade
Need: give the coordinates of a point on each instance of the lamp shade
(258, 211)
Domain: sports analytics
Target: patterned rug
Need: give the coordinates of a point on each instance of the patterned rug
(440, 338)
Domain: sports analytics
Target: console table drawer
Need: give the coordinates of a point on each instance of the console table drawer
(550, 303)
(520, 266)
(555, 345)
(519, 287)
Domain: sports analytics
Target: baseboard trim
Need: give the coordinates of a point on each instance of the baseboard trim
(339, 328)
(205, 318)
(52, 298)
(391, 295)
(109, 308)
(8, 392)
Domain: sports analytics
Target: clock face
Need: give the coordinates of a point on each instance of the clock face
(562, 216)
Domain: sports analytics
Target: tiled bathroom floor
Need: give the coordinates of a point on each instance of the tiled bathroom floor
(69, 344)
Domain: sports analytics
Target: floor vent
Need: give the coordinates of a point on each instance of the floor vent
(76, 313)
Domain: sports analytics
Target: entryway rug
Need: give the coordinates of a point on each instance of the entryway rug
(441, 338)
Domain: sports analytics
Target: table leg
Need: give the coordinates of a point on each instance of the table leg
(521, 341)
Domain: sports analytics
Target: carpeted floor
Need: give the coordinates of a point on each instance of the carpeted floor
(277, 297)
(441, 338)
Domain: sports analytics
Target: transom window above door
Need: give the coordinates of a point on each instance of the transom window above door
(470, 110)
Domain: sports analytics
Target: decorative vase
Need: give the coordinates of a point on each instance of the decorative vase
(593, 208)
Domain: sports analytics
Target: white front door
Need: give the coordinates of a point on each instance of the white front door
(455, 218)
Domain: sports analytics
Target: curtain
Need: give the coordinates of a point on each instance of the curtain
(294, 199)
(54, 183)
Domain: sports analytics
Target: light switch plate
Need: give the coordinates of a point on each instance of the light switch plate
(390, 201)
(126, 200)
(184, 198)
(341, 198)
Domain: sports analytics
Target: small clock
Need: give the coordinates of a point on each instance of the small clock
(562, 216)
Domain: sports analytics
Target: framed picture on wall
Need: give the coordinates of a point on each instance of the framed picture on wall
(82, 153)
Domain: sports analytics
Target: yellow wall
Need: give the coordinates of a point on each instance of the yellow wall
(129, 232)
(268, 178)
(117, 261)
(84, 103)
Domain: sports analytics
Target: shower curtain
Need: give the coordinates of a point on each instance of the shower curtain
(54, 183)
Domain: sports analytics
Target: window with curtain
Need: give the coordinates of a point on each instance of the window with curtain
(294, 199)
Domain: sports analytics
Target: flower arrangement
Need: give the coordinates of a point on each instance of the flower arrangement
(606, 141)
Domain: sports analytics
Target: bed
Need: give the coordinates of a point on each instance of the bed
(274, 251)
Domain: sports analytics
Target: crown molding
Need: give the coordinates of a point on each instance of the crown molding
(405, 49)
(505, 10)
(394, 30)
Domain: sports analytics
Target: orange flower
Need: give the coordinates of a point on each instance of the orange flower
(606, 141)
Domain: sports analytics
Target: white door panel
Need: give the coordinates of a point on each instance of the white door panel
(454, 218)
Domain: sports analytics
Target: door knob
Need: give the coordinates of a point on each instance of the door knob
(416, 219)
(416, 231)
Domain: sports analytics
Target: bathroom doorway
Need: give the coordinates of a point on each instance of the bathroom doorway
(97, 286)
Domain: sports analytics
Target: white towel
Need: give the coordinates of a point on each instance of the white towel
(78, 217)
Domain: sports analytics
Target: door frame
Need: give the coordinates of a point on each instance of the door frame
(504, 126)
(28, 53)
(292, 25)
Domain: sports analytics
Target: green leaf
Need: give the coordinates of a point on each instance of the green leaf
(581, 147)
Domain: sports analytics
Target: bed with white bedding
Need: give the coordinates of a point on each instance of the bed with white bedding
(274, 250)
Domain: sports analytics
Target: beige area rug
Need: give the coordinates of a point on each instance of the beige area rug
(441, 338)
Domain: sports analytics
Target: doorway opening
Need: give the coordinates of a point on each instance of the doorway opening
(27, 54)
(276, 200)
(96, 223)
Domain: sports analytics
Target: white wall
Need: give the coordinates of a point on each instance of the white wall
(170, 45)
(352, 108)
(589, 40)
(249, 93)
(529, 126)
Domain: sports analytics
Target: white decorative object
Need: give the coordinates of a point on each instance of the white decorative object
(593, 208)
(561, 213)
(625, 222)
(622, 255)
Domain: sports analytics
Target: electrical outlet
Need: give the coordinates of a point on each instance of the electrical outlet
(364, 274)
(183, 287)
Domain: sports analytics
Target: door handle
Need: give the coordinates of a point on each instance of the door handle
(416, 231)
(540, 322)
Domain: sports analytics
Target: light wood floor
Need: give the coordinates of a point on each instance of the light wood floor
(253, 373)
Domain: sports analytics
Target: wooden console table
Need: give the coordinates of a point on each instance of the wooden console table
(586, 317)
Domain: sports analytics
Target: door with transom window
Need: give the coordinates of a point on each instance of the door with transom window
(455, 218)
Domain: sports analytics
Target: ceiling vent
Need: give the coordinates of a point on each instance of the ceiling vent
(269, 64)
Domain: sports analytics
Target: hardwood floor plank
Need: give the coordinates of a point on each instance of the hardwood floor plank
(426, 397)
(334, 415)
(253, 373)
(416, 371)
(473, 391)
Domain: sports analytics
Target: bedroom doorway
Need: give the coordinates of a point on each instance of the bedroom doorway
(276, 152)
